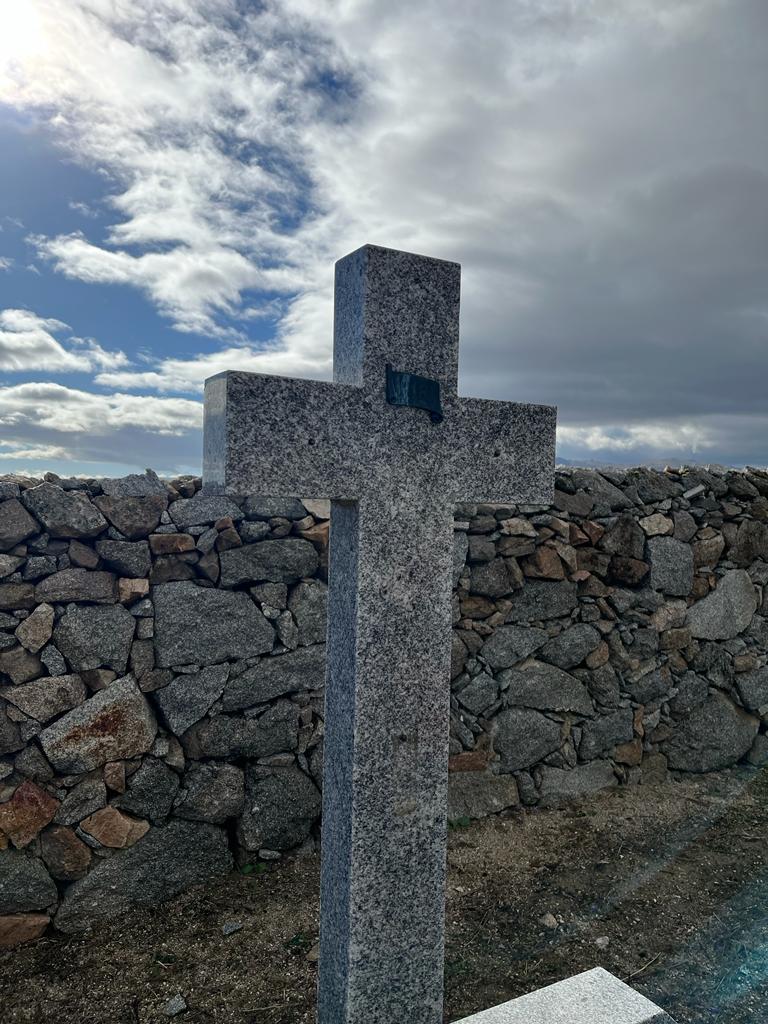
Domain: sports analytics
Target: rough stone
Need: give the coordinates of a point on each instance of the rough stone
(114, 723)
(134, 517)
(707, 552)
(544, 564)
(758, 755)
(82, 800)
(657, 525)
(274, 561)
(175, 1005)
(64, 513)
(308, 604)
(725, 612)
(131, 590)
(151, 791)
(66, 857)
(275, 595)
(16, 929)
(650, 686)
(692, 691)
(652, 486)
(82, 556)
(276, 676)
(542, 686)
(571, 646)
(751, 543)
(32, 765)
(114, 776)
(479, 694)
(189, 697)
(35, 631)
(258, 506)
(28, 811)
(166, 861)
(95, 637)
(559, 785)
(45, 698)
(171, 543)
(142, 659)
(24, 884)
(509, 644)
(671, 566)
(17, 596)
(9, 564)
(753, 689)
(713, 736)
(625, 539)
(202, 510)
(110, 828)
(540, 599)
(78, 585)
(491, 579)
(211, 792)
(685, 526)
(227, 736)
(16, 524)
(129, 558)
(19, 665)
(605, 732)
(197, 625)
(134, 485)
(53, 661)
(281, 805)
(480, 548)
(522, 737)
(480, 794)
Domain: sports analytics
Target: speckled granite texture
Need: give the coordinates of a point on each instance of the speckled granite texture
(594, 997)
(394, 477)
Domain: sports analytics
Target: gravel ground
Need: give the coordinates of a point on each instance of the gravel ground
(664, 887)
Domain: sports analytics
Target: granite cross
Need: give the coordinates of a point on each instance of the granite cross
(394, 446)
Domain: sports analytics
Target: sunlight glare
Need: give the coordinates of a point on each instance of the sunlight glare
(21, 33)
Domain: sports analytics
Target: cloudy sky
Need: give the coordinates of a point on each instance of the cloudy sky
(177, 178)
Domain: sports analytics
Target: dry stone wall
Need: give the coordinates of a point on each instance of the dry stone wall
(162, 660)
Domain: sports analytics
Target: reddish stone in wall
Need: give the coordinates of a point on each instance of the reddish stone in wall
(18, 928)
(66, 857)
(28, 811)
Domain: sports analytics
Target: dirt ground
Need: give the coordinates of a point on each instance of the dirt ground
(665, 887)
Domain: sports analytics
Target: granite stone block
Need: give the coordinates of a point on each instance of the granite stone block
(393, 473)
(594, 997)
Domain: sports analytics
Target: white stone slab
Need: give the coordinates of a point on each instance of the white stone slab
(594, 997)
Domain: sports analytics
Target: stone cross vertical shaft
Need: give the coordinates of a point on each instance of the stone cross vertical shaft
(394, 473)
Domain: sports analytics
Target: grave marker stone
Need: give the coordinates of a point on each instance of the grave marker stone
(394, 446)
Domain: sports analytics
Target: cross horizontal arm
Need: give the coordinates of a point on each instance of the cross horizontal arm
(501, 452)
(281, 436)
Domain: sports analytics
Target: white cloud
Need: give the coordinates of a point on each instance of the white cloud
(598, 166)
(61, 427)
(189, 375)
(68, 411)
(45, 452)
(27, 342)
(670, 437)
(5, 263)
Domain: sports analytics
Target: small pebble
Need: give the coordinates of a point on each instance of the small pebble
(175, 1006)
(602, 942)
(231, 927)
(549, 921)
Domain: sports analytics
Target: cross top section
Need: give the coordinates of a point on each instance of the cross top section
(344, 439)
